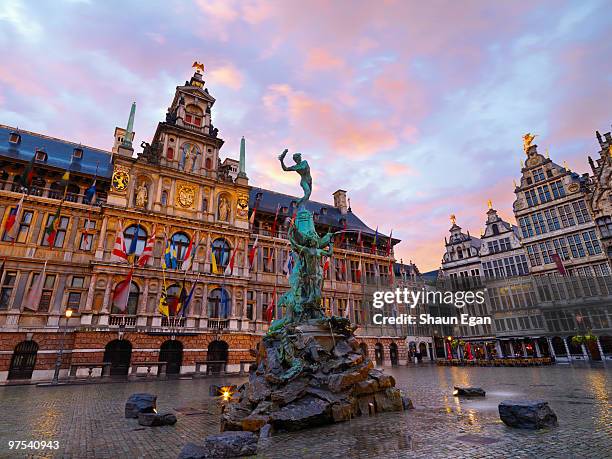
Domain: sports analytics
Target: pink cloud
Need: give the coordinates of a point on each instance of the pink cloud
(321, 59)
(226, 75)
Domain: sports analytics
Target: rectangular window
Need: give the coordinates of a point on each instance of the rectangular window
(47, 293)
(576, 246)
(354, 269)
(504, 244)
(74, 300)
(561, 248)
(538, 175)
(6, 289)
(566, 215)
(24, 228)
(534, 255)
(538, 223)
(546, 251)
(526, 228)
(582, 214)
(340, 269)
(493, 246)
(370, 273)
(269, 259)
(250, 304)
(60, 235)
(557, 189)
(591, 242)
(552, 221)
(532, 200)
(87, 235)
(544, 193)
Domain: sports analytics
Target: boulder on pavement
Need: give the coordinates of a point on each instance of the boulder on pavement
(527, 414)
(469, 392)
(231, 444)
(155, 420)
(140, 403)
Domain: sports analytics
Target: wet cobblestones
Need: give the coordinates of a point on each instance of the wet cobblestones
(88, 421)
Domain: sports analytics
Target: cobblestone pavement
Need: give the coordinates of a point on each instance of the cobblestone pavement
(88, 421)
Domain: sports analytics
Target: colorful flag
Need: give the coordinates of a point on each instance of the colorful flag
(253, 251)
(269, 261)
(559, 264)
(132, 250)
(190, 254)
(275, 221)
(360, 240)
(169, 259)
(174, 259)
(64, 182)
(358, 274)
(271, 307)
(13, 222)
(389, 243)
(122, 292)
(289, 264)
(147, 252)
(90, 193)
(119, 253)
(53, 226)
(163, 299)
(180, 301)
(34, 295)
(391, 273)
(252, 217)
(325, 265)
(213, 261)
(229, 269)
(28, 173)
(188, 299)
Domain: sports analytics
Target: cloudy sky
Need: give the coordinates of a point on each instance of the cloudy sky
(415, 108)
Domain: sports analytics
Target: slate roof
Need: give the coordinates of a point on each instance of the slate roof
(270, 199)
(59, 152)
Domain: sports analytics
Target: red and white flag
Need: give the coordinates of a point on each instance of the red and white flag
(252, 217)
(271, 307)
(347, 311)
(358, 274)
(34, 295)
(253, 251)
(147, 252)
(119, 252)
(122, 292)
(189, 254)
(13, 222)
(275, 221)
(229, 269)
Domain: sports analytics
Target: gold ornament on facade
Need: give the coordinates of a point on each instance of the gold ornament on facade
(534, 161)
(120, 179)
(186, 195)
(573, 187)
(242, 207)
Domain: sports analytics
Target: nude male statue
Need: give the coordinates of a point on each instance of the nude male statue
(302, 168)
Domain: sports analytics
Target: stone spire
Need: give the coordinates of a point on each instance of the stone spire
(129, 130)
(242, 166)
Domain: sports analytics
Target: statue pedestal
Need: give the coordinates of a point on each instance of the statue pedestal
(323, 335)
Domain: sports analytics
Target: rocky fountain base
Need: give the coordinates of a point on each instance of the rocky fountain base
(310, 374)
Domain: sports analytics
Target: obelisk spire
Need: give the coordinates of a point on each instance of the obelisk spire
(242, 166)
(129, 130)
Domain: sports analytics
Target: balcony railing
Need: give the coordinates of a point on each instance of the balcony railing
(218, 324)
(178, 322)
(52, 193)
(122, 321)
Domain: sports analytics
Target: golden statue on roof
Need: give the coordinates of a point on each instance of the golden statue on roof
(527, 139)
(198, 66)
(453, 219)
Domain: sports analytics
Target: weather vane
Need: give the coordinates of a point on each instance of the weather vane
(198, 66)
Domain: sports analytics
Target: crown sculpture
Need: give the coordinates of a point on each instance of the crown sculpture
(310, 369)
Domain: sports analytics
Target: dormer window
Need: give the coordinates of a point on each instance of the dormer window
(41, 155)
(77, 153)
(14, 138)
(323, 210)
(193, 115)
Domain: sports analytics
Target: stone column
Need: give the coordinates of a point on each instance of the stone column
(101, 238)
(90, 292)
(106, 307)
(537, 348)
(498, 348)
(524, 349)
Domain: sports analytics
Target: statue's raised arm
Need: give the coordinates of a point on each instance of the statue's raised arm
(302, 168)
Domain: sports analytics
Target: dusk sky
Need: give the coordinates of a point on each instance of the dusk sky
(415, 108)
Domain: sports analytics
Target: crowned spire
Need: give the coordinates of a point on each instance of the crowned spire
(129, 130)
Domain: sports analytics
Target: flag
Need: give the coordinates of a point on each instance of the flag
(190, 254)
(342, 233)
(360, 241)
(64, 182)
(13, 221)
(389, 243)
(28, 173)
(271, 307)
(559, 263)
(252, 217)
(32, 300)
(162, 307)
(90, 193)
(391, 273)
(173, 259)
(229, 269)
(119, 253)
(147, 252)
(275, 221)
(133, 244)
(269, 262)
(177, 305)
(169, 259)
(122, 292)
(188, 300)
(224, 303)
(289, 264)
(343, 269)
(325, 265)
(347, 313)
(213, 261)
(374, 241)
(358, 274)
(253, 251)
(52, 226)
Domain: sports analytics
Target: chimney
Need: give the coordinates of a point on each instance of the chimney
(340, 201)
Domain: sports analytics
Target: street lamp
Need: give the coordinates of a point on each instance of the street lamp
(58, 361)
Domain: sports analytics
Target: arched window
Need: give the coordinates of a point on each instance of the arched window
(221, 250)
(135, 232)
(164, 198)
(132, 304)
(170, 153)
(208, 163)
(495, 228)
(23, 360)
(181, 242)
(219, 304)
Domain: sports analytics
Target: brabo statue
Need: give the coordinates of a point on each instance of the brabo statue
(310, 369)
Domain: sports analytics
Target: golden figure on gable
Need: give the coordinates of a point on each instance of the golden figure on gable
(120, 179)
(527, 140)
(242, 207)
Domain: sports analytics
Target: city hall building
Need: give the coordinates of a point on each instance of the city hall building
(68, 209)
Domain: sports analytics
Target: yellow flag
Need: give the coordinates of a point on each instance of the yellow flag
(214, 263)
(163, 300)
(66, 176)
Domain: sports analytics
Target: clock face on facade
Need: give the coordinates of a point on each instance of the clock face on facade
(186, 195)
(120, 180)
